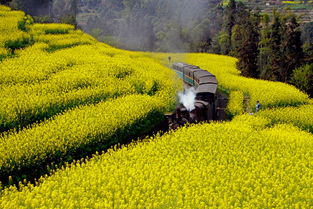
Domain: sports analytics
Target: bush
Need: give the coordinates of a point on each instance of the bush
(23, 24)
(19, 43)
(302, 78)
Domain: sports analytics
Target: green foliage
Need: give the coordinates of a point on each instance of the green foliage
(25, 23)
(275, 46)
(223, 42)
(19, 43)
(291, 48)
(308, 52)
(264, 70)
(56, 31)
(236, 40)
(248, 50)
(302, 78)
(270, 53)
(230, 16)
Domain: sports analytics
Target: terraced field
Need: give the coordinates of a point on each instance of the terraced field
(66, 98)
(302, 8)
(56, 90)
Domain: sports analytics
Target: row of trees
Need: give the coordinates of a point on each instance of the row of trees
(267, 47)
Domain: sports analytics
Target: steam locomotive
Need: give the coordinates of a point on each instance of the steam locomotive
(205, 85)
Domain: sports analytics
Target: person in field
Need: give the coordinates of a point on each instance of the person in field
(257, 106)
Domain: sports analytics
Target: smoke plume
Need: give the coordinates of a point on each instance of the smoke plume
(149, 25)
(187, 98)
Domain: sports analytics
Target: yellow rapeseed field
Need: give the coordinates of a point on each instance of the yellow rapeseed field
(52, 28)
(227, 165)
(72, 95)
(68, 40)
(38, 84)
(84, 126)
(3, 51)
(4, 8)
(61, 72)
(235, 104)
(9, 25)
(269, 93)
(299, 116)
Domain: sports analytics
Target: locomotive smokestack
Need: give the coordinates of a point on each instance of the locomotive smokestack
(187, 98)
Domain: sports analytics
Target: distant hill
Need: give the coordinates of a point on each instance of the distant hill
(304, 9)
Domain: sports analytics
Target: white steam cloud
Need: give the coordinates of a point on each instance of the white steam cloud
(187, 98)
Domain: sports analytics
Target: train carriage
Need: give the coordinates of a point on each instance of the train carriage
(205, 85)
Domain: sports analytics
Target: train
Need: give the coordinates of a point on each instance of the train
(205, 85)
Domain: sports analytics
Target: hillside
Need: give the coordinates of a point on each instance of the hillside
(68, 102)
(304, 9)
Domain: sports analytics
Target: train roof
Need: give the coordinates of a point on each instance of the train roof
(207, 88)
(208, 79)
(193, 70)
(180, 64)
(191, 66)
(202, 73)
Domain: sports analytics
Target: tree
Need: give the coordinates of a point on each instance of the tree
(230, 15)
(307, 39)
(291, 49)
(265, 53)
(248, 51)
(242, 13)
(275, 47)
(229, 23)
(223, 43)
(236, 40)
(308, 53)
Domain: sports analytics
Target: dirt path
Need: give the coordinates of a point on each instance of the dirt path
(246, 103)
